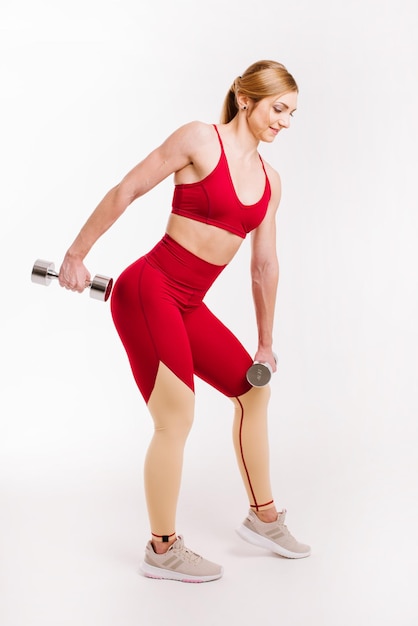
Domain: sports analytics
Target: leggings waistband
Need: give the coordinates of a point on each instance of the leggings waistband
(182, 266)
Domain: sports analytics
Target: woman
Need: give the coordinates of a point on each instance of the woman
(223, 190)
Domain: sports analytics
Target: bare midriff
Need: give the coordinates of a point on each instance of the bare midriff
(210, 243)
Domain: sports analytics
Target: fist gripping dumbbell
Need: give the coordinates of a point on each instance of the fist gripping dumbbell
(44, 271)
(259, 374)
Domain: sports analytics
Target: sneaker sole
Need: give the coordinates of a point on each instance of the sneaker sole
(262, 542)
(150, 571)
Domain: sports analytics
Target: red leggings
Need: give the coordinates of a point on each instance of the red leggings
(158, 312)
(166, 329)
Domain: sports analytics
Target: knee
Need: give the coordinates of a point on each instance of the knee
(171, 405)
(174, 425)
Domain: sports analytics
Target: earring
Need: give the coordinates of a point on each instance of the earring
(244, 108)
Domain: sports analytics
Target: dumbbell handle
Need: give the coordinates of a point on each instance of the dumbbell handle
(54, 274)
(44, 271)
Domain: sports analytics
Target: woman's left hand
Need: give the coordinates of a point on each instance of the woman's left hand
(264, 355)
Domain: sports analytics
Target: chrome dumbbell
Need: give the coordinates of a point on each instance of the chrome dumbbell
(44, 271)
(259, 374)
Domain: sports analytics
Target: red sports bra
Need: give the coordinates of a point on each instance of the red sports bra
(214, 201)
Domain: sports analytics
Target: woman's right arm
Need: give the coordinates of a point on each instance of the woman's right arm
(175, 153)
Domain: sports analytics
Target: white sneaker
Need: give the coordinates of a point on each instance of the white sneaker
(179, 563)
(273, 536)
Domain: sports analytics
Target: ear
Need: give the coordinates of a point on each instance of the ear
(242, 101)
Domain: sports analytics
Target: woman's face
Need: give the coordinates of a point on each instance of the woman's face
(270, 115)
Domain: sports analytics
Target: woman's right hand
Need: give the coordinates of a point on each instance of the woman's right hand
(73, 274)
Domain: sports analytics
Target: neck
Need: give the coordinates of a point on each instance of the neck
(240, 136)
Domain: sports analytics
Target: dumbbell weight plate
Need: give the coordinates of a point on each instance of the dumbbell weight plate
(101, 287)
(43, 272)
(259, 374)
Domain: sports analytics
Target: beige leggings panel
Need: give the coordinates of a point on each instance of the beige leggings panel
(250, 436)
(171, 405)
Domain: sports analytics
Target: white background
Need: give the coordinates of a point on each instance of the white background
(87, 90)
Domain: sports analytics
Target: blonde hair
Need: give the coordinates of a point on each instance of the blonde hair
(260, 80)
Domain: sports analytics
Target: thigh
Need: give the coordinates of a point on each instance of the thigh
(150, 326)
(219, 358)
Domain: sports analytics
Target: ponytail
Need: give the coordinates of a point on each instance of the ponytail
(230, 106)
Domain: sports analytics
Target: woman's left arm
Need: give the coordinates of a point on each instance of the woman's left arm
(265, 274)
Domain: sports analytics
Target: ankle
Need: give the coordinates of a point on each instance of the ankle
(268, 515)
(161, 547)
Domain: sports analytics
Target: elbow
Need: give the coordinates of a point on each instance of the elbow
(124, 194)
(116, 201)
(267, 270)
(132, 187)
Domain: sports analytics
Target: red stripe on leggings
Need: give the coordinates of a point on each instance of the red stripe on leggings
(257, 507)
(242, 456)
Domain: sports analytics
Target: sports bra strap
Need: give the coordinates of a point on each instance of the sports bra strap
(219, 137)
(223, 151)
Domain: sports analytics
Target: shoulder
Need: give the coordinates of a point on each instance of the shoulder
(275, 182)
(181, 147)
(273, 176)
(195, 132)
(189, 141)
